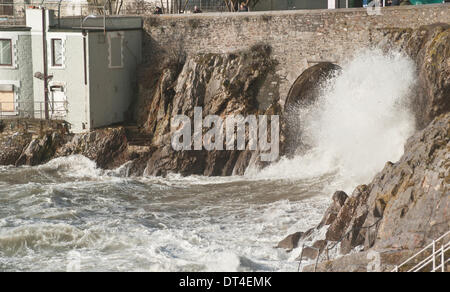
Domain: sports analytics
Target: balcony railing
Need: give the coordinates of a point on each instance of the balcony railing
(57, 110)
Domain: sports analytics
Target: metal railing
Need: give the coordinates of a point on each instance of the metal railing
(13, 14)
(437, 259)
(57, 110)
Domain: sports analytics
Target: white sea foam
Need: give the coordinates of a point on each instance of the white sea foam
(208, 224)
(361, 120)
(73, 166)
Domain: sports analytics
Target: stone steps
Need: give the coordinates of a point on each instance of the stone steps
(136, 137)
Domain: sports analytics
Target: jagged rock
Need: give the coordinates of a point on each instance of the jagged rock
(346, 215)
(223, 85)
(428, 47)
(414, 192)
(332, 212)
(403, 209)
(40, 150)
(29, 141)
(107, 147)
(290, 242)
(12, 147)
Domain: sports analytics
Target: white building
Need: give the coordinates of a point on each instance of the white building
(86, 70)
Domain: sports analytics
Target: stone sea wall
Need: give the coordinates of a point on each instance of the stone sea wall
(299, 39)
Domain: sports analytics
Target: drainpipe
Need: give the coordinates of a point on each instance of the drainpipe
(84, 57)
(59, 13)
(44, 53)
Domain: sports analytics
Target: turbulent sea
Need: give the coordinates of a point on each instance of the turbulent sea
(70, 215)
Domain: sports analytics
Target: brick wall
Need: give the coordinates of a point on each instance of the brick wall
(298, 38)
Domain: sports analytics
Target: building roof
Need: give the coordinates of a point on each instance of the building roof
(98, 22)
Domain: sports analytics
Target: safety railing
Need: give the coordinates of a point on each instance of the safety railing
(57, 110)
(13, 14)
(437, 259)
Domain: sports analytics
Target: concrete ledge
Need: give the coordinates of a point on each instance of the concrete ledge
(296, 12)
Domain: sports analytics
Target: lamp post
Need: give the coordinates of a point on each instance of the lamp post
(44, 54)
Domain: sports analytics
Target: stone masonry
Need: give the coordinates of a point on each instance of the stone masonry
(299, 39)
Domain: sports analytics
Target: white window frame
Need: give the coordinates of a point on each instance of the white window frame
(112, 35)
(14, 39)
(16, 90)
(50, 39)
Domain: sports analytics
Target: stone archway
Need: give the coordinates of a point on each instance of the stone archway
(303, 92)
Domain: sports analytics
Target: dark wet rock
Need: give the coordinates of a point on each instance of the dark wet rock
(29, 141)
(41, 150)
(223, 85)
(412, 195)
(12, 146)
(107, 147)
(345, 217)
(339, 198)
(290, 242)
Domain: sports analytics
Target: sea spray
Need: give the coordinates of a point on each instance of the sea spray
(175, 223)
(360, 121)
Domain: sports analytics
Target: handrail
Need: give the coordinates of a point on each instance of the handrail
(432, 258)
(445, 246)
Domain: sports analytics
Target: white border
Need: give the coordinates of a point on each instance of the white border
(115, 35)
(63, 38)
(14, 39)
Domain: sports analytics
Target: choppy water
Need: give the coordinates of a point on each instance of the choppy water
(152, 224)
(69, 215)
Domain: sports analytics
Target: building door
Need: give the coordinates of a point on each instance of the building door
(58, 102)
(7, 99)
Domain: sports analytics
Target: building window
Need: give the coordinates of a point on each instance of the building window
(5, 52)
(115, 51)
(57, 53)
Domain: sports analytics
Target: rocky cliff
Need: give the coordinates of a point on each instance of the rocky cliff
(407, 204)
(222, 85)
(429, 47)
(404, 208)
